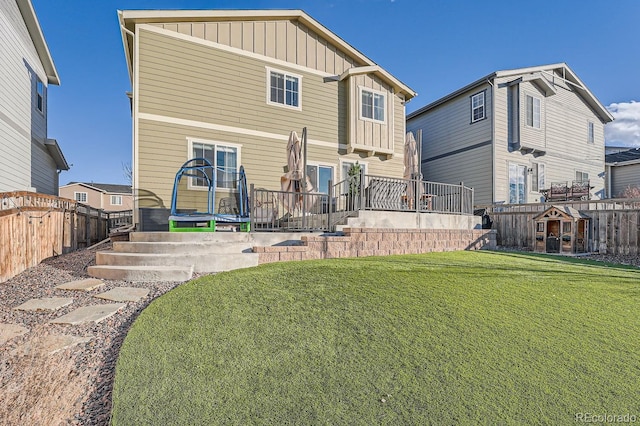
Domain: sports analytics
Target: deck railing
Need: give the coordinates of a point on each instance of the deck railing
(279, 210)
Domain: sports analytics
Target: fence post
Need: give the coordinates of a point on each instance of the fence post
(252, 202)
(330, 207)
(87, 228)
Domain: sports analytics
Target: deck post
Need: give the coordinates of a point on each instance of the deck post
(330, 206)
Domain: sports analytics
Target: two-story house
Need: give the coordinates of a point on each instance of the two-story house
(511, 134)
(29, 160)
(105, 196)
(230, 86)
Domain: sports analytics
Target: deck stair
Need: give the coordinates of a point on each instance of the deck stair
(165, 256)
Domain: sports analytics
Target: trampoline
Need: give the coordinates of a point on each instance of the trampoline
(232, 209)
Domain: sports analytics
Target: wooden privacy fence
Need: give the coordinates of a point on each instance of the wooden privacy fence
(35, 226)
(614, 225)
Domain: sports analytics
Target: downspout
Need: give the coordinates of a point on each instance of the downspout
(493, 142)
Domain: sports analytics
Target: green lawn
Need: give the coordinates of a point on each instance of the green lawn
(444, 338)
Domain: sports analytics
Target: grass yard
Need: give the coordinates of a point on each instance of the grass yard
(441, 338)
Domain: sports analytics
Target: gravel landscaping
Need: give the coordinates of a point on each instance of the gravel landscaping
(74, 385)
(71, 386)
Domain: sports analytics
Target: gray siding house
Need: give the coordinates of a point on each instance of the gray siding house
(623, 171)
(512, 133)
(29, 160)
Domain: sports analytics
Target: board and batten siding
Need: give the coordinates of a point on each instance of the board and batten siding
(454, 149)
(368, 134)
(286, 40)
(20, 122)
(562, 135)
(193, 90)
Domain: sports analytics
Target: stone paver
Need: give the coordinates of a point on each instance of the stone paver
(95, 313)
(44, 304)
(9, 331)
(124, 294)
(81, 285)
(49, 344)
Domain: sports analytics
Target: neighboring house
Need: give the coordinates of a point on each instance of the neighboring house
(103, 196)
(230, 85)
(623, 171)
(513, 133)
(29, 160)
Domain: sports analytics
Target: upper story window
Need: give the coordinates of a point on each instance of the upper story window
(372, 105)
(40, 95)
(116, 200)
(221, 156)
(477, 107)
(284, 88)
(590, 132)
(80, 197)
(533, 112)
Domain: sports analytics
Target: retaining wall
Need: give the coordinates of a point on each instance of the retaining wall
(361, 242)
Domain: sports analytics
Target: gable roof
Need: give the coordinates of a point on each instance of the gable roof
(621, 158)
(105, 187)
(129, 18)
(534, 72)
(562, 210)
(35, 32)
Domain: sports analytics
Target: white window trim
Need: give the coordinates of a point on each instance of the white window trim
(268, 87)
(484, 107)
(576, 171)
(364, 165)
(191, 141)
(526, 117)
(378, 92)
(541, 166)
(75, 196)
(111, 200)
(321, 164)
(591, 132)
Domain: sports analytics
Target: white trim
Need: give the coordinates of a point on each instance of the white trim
(375, 92)
(484, 106)
(230, 129)
(323, 164)
(135, 152)
(526, 112)
(286, 74)
(111, 197)
(230, 49)
(363, 164)
(191, 141)
(86, 196)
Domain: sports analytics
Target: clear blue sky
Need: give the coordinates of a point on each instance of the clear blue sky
(435, 47)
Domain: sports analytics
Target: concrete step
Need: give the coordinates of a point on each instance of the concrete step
(253, 238)
(141, 273)
(192, 237)
(201, 262)
(181, 247)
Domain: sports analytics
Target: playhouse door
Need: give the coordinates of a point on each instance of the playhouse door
(553, 236)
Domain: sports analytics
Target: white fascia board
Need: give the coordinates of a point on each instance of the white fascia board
(35, 32)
